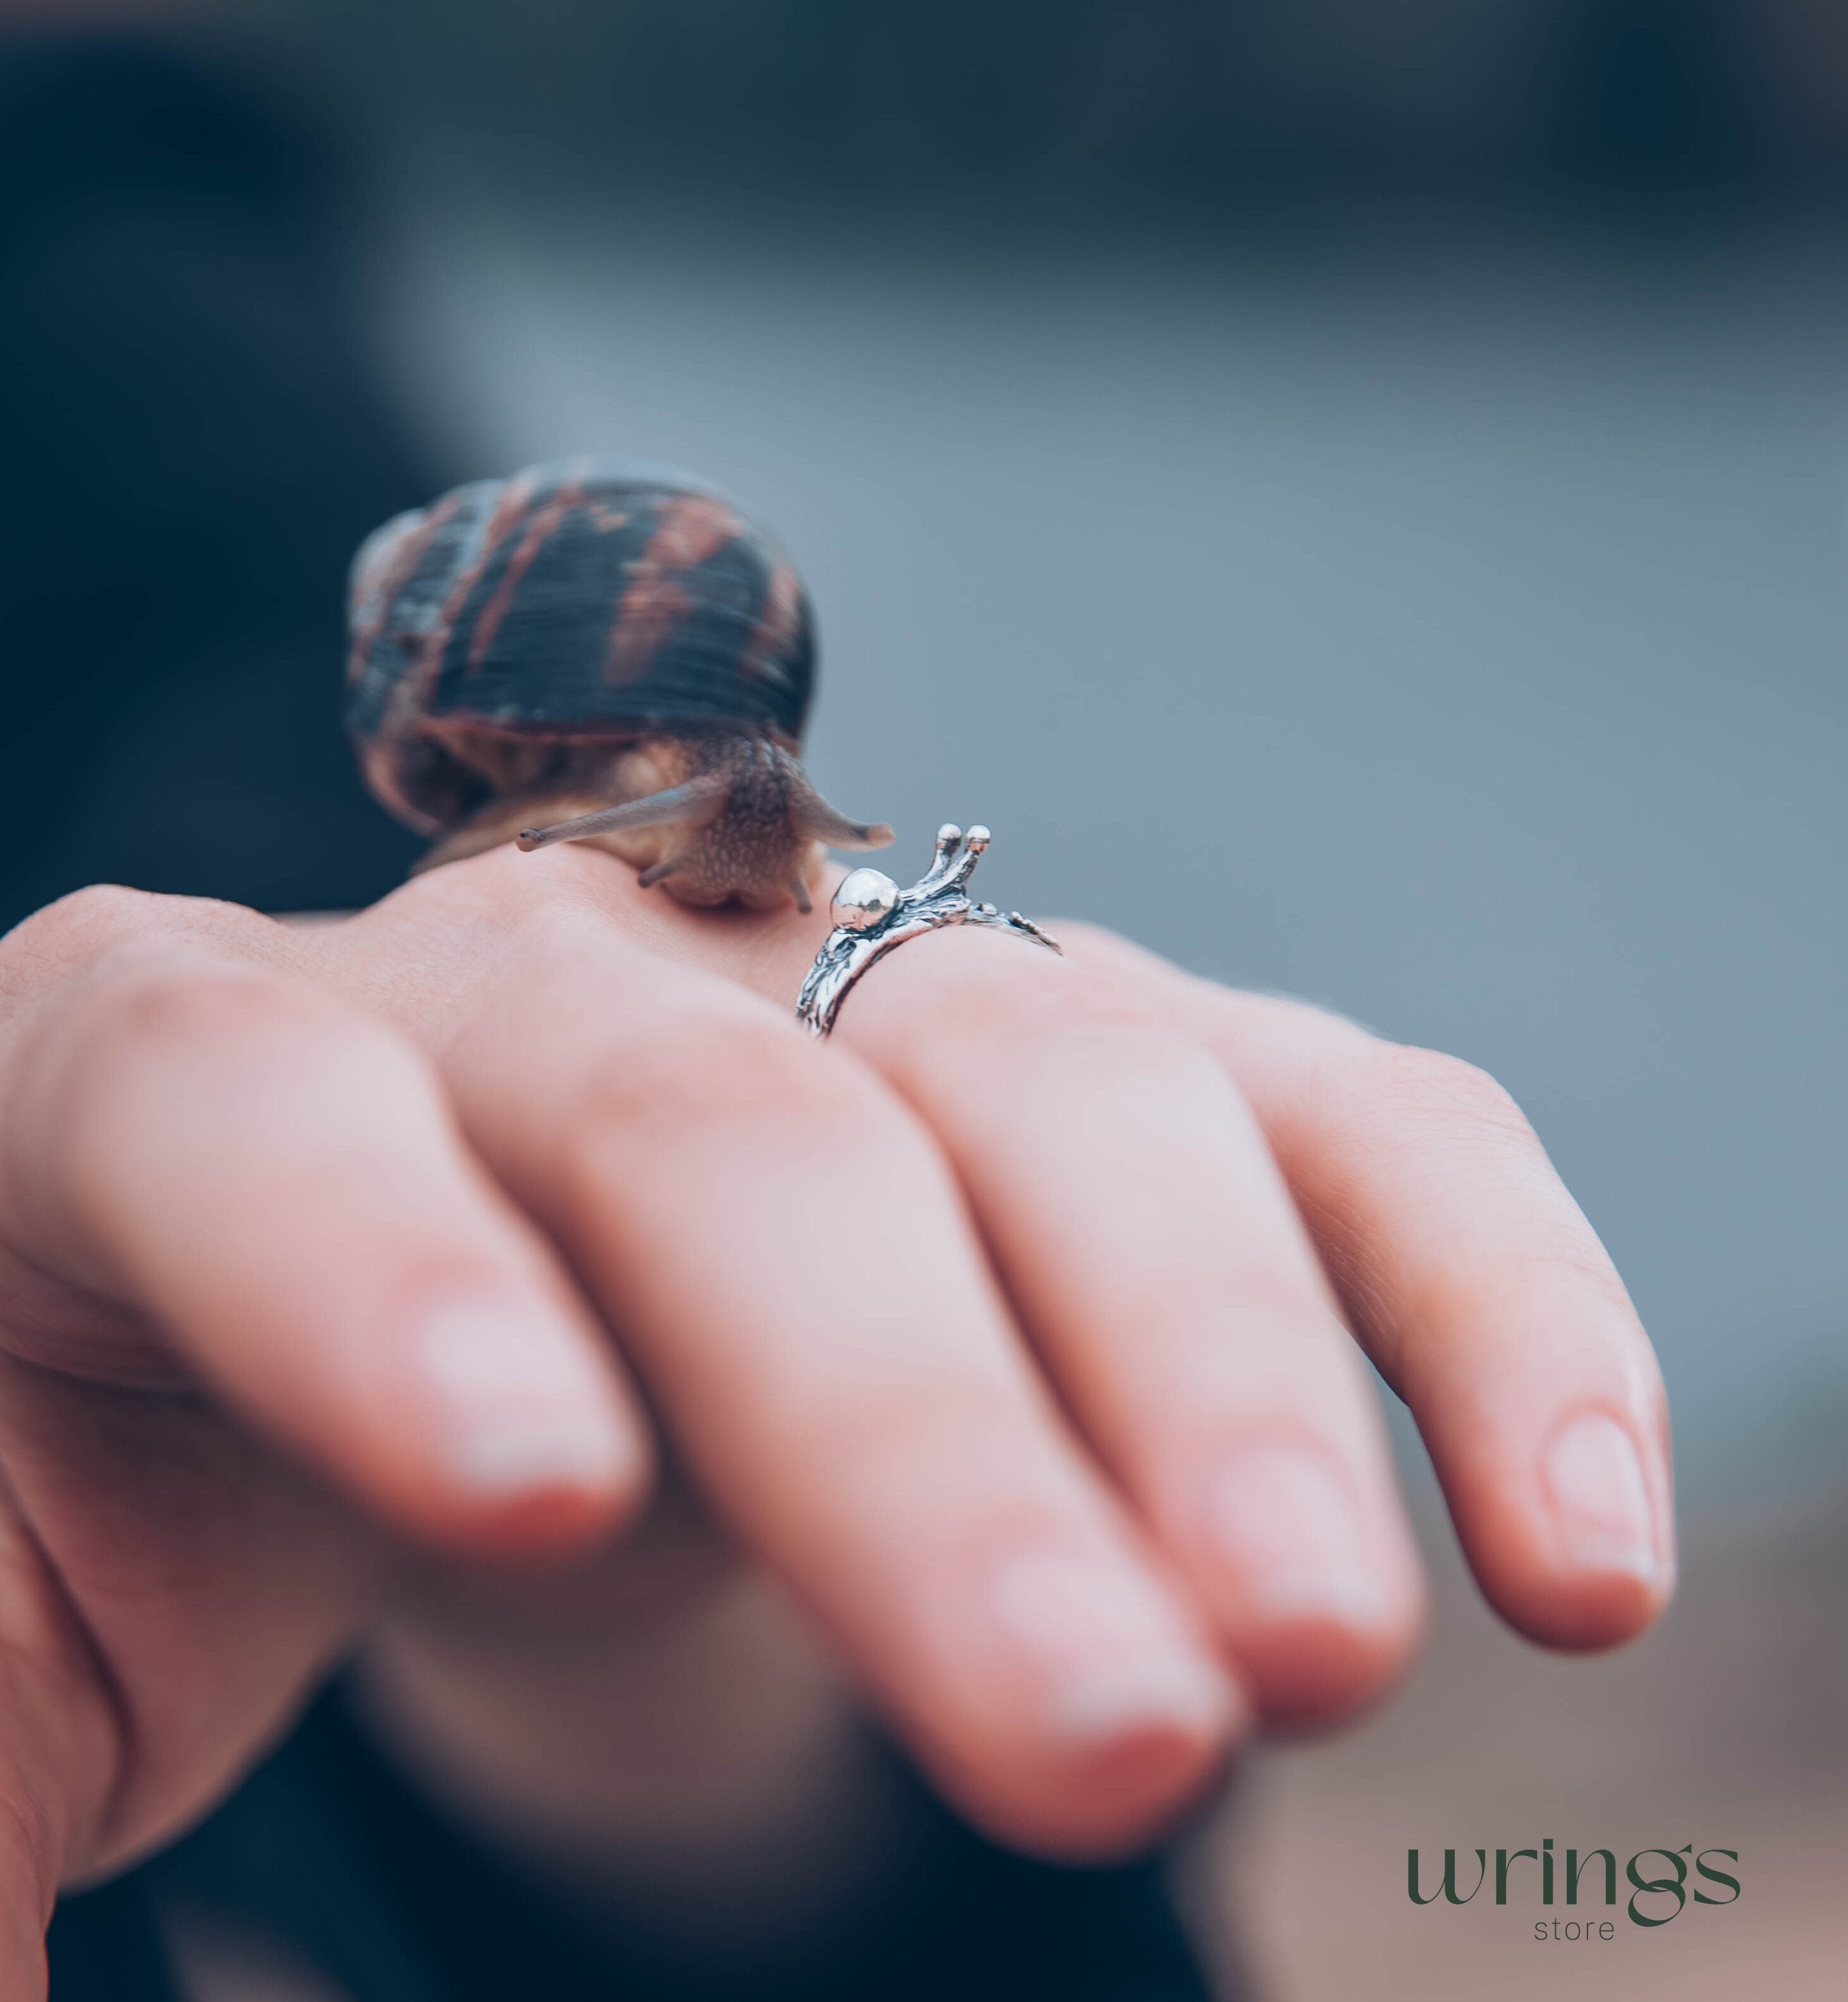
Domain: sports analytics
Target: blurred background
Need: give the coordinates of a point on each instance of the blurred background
(1357, 496)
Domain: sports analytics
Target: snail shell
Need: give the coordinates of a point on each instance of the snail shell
(597, 652)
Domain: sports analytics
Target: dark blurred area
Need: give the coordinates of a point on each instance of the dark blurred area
(193, 447)
(1207, 102)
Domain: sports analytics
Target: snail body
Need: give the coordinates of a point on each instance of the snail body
(591, 651)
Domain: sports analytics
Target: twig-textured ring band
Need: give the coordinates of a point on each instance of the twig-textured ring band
(871, 914)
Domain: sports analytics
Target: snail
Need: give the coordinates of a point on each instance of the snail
(594, 651)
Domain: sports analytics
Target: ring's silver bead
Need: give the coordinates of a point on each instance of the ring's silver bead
(872, 914)
(867, 897)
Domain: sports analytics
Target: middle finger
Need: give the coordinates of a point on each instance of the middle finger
(787, 1258)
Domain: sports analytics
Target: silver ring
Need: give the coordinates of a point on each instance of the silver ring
(871, 914)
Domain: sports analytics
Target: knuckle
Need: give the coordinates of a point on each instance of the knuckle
(1001, 989)
(1320, 1034)
(76, 927)
(552, 924)
(1097, 945)
(706, 1069)
(105, 924)
(102, 911)
(480, 887)
(1436, 1085)
(1103, 1003)
(758, 1059)
(181, 1005)
(172, 1014)
(1164, 1063)
(509, 891)
(729, 1079)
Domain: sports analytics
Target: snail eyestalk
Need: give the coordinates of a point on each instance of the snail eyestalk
(820, 822)
(748, 825)
(697, 804)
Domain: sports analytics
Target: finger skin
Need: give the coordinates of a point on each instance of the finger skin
(210, 1585)
(786, 1259)
(273, 1180)
(1472, 1279)
(211, 1172)
(59, 1751)
(1145, 1237)
(1483, 1295)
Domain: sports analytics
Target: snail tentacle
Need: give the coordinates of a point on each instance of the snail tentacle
(697, 804)
(819, 821)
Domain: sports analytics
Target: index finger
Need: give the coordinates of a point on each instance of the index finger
(273, 1180)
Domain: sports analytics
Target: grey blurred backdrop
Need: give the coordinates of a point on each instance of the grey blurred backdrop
(1355, 495)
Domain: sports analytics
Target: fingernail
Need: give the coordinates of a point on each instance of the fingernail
(1113, 1656)
(1287, 1527)
(522, 1403)
(1600, 1499)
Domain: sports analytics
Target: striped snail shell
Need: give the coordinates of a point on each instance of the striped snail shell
(594, 651)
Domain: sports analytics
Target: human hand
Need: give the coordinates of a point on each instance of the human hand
(373, 1186)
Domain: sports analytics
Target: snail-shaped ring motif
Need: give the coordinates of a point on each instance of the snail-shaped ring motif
(872, 914)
